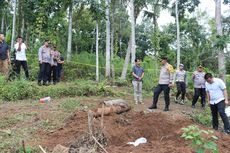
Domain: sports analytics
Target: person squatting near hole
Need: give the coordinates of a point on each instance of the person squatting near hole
(138, 74)
(165, 83)
(217, 98)
(199, 86)
(44, 57)
(4, 56)
(181, 81)
(20, 60)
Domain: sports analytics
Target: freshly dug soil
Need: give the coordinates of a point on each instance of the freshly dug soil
(162, 131)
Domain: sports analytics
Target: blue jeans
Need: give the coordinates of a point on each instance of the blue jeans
(219, 108)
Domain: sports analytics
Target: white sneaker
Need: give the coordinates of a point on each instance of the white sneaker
(182, 102)
(176, 100)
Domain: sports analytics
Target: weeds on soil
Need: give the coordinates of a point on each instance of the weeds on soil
(203, 117)
(202, 140)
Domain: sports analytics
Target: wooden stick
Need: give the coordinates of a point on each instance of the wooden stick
(99, 144)
(102, 116)
(90, 122)
(43, 150)
(23, 146)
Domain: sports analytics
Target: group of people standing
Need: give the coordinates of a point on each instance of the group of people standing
(50, 61)
(204, 83)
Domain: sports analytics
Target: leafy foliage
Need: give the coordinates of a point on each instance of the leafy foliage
(201, 139)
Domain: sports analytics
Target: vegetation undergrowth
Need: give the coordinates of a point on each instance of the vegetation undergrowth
(202, 140)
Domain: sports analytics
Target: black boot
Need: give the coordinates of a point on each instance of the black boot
(153, 106)
(166, 108)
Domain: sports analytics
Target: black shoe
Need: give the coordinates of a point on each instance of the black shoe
(227, 131)
(153, 107)
(39, 83)
(166, 109)
(203, 106)
(215, 128)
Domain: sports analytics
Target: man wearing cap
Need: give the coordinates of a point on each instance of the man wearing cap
(4, 56)
(138, 74)
(180, 77)
(199, 86)
(217, 98)
(165, 83)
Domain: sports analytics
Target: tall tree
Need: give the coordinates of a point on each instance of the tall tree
(69, 44)
(107, 64)
(178, 34)
(14, 23)
(133, 43)
(221, 57)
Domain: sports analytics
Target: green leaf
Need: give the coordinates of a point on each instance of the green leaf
(198, 142)
(211, 145)
(200, 150)
(189, 137)
(215, 137)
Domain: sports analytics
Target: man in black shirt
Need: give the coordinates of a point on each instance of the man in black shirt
(4, 56)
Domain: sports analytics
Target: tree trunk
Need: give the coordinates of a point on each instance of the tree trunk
(14, 21)
(107, 65)
(126, 63)
(178, 35)
(23, 26)
(133, 44)
(221, 57)
(69, 45)
(112, 43)
(3, 22)
(97, 54)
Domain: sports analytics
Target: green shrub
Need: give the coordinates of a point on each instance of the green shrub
(202, 140)
(22, 89)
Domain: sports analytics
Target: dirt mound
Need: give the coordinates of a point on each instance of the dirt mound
(162, 131)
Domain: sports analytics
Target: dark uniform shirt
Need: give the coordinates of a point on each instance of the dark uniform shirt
(3, 50)
(138, 70)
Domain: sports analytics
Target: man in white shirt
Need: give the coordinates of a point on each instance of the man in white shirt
(20, 52)
(217, 98)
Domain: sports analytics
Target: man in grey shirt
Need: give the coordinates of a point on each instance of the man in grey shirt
(180, 77)
(44, 56)
(165, 83)
(199, 86)
(138, 74)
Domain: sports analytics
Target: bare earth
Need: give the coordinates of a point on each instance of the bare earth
(49, 125)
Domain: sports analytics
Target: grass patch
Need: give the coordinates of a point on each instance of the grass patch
(203, 117)
(70, 104)
(22, 89)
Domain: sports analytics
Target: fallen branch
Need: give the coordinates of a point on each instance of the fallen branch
(43, 150)
(5, 131)
(99, 144)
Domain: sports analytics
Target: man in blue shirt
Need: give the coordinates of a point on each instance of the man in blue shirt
(4, 56)
(217, 98)
(138, 74)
